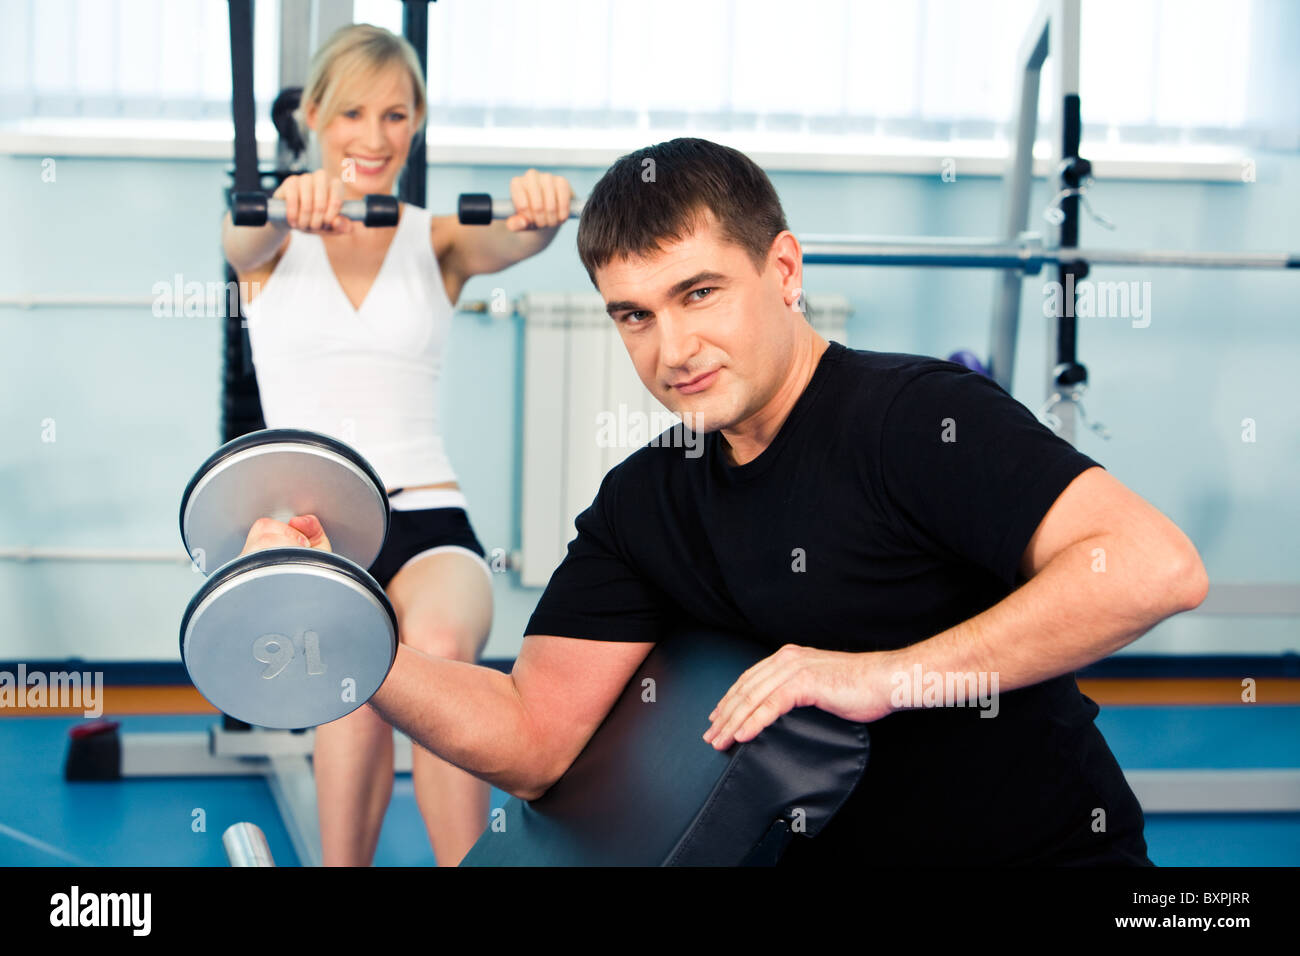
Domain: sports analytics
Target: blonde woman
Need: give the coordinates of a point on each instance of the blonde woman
(348, 327)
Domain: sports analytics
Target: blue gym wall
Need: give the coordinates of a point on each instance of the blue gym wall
(135, 399)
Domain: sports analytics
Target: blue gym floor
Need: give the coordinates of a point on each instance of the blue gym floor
(45, 821)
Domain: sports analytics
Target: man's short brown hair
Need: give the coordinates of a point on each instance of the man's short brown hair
(659, 194)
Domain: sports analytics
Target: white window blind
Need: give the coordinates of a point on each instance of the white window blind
(128, 59)
(1152, 71)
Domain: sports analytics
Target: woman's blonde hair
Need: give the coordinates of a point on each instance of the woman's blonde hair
(355, 54)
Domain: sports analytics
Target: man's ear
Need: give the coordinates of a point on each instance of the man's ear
(786, 255)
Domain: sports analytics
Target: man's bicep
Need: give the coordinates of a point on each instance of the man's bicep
(568, 685)
(1096, 503)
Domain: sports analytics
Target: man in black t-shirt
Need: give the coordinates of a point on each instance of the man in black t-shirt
(876, 512)
(917, 550)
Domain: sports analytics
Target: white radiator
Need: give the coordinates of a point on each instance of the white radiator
(580, 391)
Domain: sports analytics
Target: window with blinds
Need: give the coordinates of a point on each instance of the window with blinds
(1152, 71)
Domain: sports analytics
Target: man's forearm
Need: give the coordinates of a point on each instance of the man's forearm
(469, 715)
(1064, 618)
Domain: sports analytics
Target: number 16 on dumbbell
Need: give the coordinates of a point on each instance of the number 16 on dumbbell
(287, 637)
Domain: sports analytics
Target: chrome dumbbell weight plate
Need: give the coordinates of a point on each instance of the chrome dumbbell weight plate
(280, 473)
(289, 638)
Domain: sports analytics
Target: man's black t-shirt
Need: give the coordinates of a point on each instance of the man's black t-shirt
(895, 502)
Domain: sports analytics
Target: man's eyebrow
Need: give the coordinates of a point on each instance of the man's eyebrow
(627, 305)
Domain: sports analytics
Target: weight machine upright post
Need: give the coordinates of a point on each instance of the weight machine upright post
(295, 42)
(415, 27)
(237, 370)
(305, 25)
(1064, 369)
(240, 402)
(1005, 325)
(241, 95)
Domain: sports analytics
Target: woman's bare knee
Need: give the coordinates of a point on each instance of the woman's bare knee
(449, 641)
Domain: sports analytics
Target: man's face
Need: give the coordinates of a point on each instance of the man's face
(710, 337)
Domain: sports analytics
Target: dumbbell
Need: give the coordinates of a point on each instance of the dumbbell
(287, 637)
(257, 209)
(479, 209)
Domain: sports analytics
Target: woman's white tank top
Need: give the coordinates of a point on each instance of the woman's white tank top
(368, 376)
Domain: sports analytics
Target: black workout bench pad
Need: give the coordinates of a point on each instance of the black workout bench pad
(649, 791)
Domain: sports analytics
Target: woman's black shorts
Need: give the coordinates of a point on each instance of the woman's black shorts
(412, 533)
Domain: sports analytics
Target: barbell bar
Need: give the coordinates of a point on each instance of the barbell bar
(246, 845)
(1028, 253)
